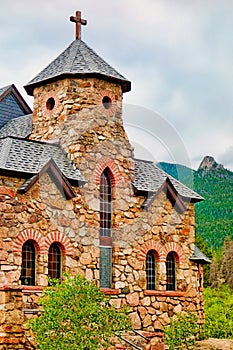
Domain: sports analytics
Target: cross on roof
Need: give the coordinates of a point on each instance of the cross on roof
(79, 21)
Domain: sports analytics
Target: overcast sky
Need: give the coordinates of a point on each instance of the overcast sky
(177, 53)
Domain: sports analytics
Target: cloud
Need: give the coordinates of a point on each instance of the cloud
(178, 54)
(226, 158)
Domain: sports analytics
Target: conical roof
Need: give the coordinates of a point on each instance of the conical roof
(75, 61)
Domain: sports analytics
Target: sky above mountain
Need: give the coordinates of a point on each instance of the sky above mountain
(177, 53)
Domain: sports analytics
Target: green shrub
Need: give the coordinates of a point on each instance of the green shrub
(76, 315)
(182, 332)
(218, 312)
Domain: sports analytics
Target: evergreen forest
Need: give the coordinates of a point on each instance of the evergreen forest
(214, 215)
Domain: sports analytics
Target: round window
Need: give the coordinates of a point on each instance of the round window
(50, 104)
(107, 102)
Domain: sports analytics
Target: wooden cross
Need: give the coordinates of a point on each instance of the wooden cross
(79, 21)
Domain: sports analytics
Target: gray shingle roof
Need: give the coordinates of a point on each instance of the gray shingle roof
(78, 59)
(29, 157)
(199, 256)
(150, 178)
(18, 127)
(12, 105)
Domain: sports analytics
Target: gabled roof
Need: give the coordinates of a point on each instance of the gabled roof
(26, 157)
(12, 104)
(54, 172)
(78, 60)
(200, 257)
(150, 178)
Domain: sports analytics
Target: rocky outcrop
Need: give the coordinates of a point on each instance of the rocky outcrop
(209, 163)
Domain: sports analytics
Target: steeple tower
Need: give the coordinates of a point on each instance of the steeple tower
(78, 93)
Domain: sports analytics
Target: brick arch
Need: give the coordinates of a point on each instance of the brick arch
(174, 247)
(64, 242)
(152, 245)
(29, 235)
(107, 163)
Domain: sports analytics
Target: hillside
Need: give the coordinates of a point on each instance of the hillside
(214, 216)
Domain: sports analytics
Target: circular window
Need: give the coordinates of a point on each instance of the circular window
(107, 102)
(50, 103)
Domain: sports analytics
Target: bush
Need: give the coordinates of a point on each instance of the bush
(182, 332)
(76, 315)
(218, 312)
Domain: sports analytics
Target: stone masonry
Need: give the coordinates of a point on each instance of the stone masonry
(83, 114)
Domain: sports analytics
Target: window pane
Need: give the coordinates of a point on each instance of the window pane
(150, 270)
(105, 267)
(171, 272)
(54, 261)
(105, 229)
(28, 264)
(105, 204)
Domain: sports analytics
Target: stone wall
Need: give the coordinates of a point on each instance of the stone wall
(46, 216)
(92, 134)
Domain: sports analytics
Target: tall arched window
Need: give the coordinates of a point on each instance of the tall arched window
(105, 204)
(105, 229)
(171, 271)
(150, 270)
(54, 261)
(28, 270)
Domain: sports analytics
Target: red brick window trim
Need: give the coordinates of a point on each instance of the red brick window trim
(32, 289)
(29, 235)
(162, 251)
(164, 293)
(110, 291)
(62, 240)
(178, 252)
(114, 171)
(152, 246)
(42, 243)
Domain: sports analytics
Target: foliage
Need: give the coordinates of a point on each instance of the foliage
(214, 215)
(76, 315)
(218, 312)
(227, 262)
(215, 280)
(221, 268)
(182, 332)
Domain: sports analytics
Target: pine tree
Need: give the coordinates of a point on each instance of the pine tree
(215, 274)
(227, 262)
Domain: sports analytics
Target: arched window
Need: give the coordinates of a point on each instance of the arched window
(105, 229)
(105, 204)
(28, 270)
(54, 261)
(171, 271)
(150, 270)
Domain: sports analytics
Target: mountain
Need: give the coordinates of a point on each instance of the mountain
(214, 215)
(209, 163)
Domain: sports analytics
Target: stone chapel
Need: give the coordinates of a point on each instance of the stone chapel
(74, 199)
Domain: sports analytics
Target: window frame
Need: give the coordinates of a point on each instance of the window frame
(105, 230)
(151, 270)
(171, 272)
(57, 262)
(28, 248)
